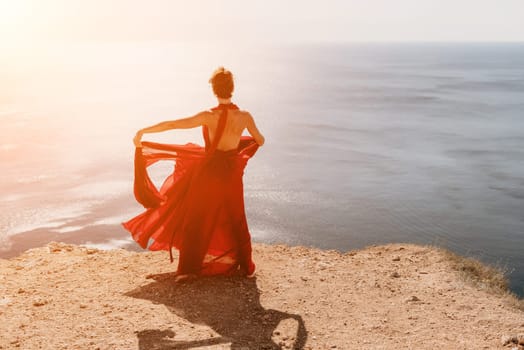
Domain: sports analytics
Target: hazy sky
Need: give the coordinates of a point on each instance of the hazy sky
(33, 21)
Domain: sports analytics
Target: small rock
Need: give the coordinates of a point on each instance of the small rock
(520, 338)
(507, 339)
(395, 274)
(413, 298)
(322, 266)
(303, 278)
(397, 258)
(39, 302)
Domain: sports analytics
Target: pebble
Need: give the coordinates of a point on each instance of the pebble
(395, 274)
(515, 339)
(39, 302)
(397, 258)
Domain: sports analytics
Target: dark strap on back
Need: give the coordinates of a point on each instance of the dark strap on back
(223, 108)
(220, 130)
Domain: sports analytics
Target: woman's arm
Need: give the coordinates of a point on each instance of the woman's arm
(253, 130)
(183, 123)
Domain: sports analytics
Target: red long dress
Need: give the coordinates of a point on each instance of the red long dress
(199, 209)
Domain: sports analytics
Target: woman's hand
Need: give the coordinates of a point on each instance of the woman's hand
(137, 139)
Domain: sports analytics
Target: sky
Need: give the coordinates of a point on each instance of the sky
(33, 22)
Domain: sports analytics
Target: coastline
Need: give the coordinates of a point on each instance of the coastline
(63, 296)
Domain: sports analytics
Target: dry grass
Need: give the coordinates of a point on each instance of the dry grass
(482, 275)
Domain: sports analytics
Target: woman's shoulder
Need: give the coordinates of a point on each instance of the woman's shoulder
(242, 113)
(206, 114)
(243, 117)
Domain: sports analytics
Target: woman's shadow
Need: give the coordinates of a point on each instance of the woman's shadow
(229, 305)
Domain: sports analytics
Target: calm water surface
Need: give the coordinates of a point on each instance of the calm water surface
(366, 144)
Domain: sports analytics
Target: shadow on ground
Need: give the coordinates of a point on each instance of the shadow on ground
(229, 305)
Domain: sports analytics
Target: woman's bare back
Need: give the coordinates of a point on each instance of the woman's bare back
(237, 122)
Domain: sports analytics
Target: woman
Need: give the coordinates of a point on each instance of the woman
(200, 207)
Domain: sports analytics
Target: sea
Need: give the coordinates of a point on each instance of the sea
(366, 143)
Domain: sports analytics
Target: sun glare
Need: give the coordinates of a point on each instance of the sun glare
(13, 20)
(11, 11)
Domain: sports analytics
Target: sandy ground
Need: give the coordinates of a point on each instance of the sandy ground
(396, 296)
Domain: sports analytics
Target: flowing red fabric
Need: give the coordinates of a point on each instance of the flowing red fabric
(199, 209)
